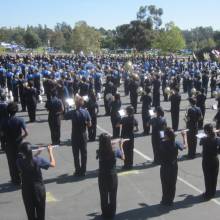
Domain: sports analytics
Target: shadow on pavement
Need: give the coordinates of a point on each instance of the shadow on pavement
(8, 187)
(151, 211)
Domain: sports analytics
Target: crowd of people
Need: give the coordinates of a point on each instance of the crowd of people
(72, 86)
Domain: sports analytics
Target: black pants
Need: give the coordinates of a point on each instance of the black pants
(156, 99)
(133, 99)
(175, 119)
(12, 155)
(210, 169)
(115, 130)
(92, 129)
(34, 202)
(79, 147)
(32, 112)
(108, 185)
(192, 143)
(146, 123)
(107, 106)
(23, 102)
(200, 123)
(155, 140)
(168, 176)
(128, 147)
(54, 124)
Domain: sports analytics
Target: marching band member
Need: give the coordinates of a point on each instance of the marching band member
(33, 189)
(210, 161)
(193, 116)
(175, 100)
(107, 175)
(169, 167)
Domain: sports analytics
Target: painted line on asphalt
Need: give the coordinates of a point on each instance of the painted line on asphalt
(50, 197)
(130, 172)
(150, 159)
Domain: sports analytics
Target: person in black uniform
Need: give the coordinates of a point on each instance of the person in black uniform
(80, 121)
(110, 88)
(93, 109)
(210, 161)
(33, 189)
(129, 125)
(115, 116)
(133, 89)
(146, 105)
(107, 176)
(55, 108)
(3, 119)
(31, 101)
(156, 91)
(200, 102)
(175, 100)
(158, 124)
(21, 88)
(169, 167)
(213, 83)
(83, 87)
(15, 131)
(193, 116)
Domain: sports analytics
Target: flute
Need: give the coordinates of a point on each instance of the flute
(35, 148)
(118, 140)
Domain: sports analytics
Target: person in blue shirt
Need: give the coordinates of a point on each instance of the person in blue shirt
(107, 175)
(33, 189)
(15, 131)
(81, 119)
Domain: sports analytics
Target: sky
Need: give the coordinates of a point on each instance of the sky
(109, 14)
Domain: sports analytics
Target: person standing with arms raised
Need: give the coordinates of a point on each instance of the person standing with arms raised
(81, 119)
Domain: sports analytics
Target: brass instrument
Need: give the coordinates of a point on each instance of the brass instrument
(129, 67)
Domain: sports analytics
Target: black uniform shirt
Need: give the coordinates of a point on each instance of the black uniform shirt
(80, 117)
(54, 106)
(175, 102)
(193, 115)
(146, 103)
(210, 147)
(13, 129)
(128, 124)
(158, 124)
(32, 175)
(169, 152)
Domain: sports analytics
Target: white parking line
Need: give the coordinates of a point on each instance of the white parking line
(150, 159)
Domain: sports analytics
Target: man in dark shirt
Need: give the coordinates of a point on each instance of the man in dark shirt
(175, 100)
(128, 124)
(156, 91)
(80, 121)
(3, 119)
(200, 102)
(193, 116)
(55, 108)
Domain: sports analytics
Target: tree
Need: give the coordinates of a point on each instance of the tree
(85, 38)
(138, 34)
(151, 14)
(170, 39)
(31, 39)
(57, 40)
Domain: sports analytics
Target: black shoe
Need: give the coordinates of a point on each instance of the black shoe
(76, 174)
